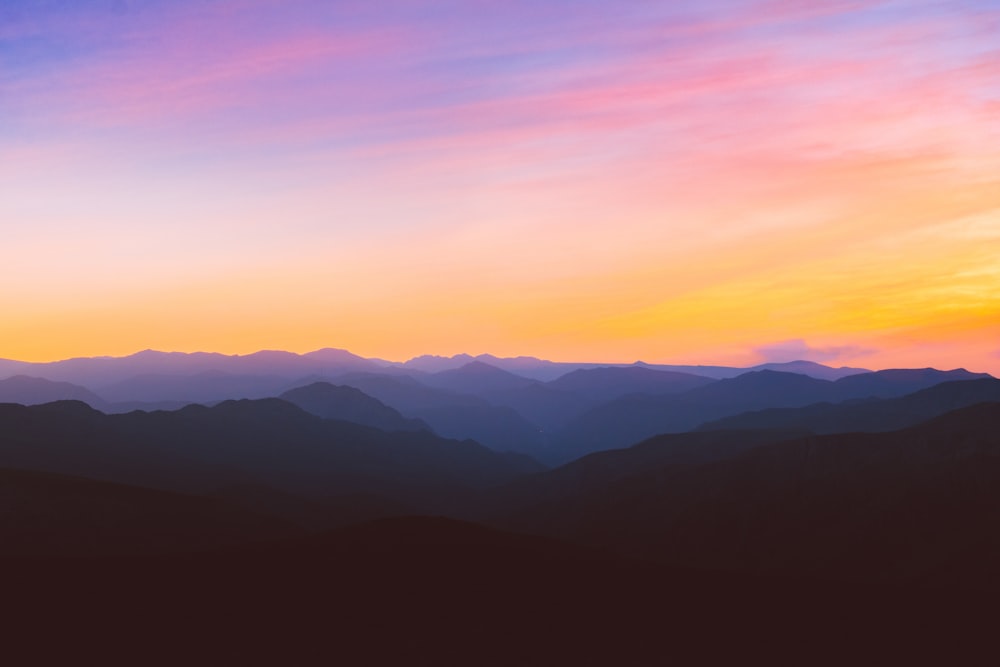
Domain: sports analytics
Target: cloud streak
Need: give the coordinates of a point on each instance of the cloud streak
(798, 349)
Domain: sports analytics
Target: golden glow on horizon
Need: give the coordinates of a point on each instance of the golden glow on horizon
(389, 190)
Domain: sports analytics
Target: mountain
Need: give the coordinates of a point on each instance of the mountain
(551, 409)
(810, 368)
(34, 391)
(499, 428)
(350, 404)
(206, 387)
(529, 367)
(872, 415)
(533, 368)
(900, 381)
(98, 372)
(912, 507)
(611, 382)
(432, 363)
(405, 393)
(71, 438)
(267, 442)
(475, 378)
(594, 472)
(452, 414)
(631, 419)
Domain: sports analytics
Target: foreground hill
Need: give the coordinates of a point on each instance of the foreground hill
(430, 591)
(914, 505)
(59, 515)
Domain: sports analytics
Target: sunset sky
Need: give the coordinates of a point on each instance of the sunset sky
(693, 182)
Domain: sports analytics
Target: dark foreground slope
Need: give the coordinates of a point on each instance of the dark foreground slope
(58, 515)
(916, 506)
(438, 592)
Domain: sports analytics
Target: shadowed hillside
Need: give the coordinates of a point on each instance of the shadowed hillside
(268, 442)
(58, 515)
(871, 415)
(628, 420)
(35, 391)
(436, 592)
(349, 404)
(906, 506)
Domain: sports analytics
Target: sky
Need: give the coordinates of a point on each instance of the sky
(720, 181)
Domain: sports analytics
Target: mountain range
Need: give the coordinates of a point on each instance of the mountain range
(369, 512)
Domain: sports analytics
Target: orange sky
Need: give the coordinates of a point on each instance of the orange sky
(722, 182)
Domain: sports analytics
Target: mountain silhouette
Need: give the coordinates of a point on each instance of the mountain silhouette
(27, 390)
(98, 372)
(267, 442)
(406, 394)
(451, 413)
(633, 418)
(810, 368)
(871, 415)
(551, 409)
(594, 472)
(912, 506)
(500, 428)
(475, 378)
(610, 382)
(898, 382)
(204, 388)
(349, 404)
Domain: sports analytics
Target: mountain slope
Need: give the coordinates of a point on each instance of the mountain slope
(628, 420)
(27, 390)
(349, 404)
(269, 442)
(475, 378)
(608, 383)
(899, 382)
(872, 416)
(453, 414)
(915, 505)
(631, 419)
(59, 515)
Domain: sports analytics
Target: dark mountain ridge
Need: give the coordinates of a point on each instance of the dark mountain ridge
(269, 442)
(911, 506)
(871, 415)
(27, 390)
(350, 404)
(630, 419)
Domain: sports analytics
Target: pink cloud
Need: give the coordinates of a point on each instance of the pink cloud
(797, 349)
